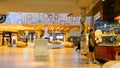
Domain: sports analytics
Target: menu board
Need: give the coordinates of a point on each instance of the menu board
(41, 47)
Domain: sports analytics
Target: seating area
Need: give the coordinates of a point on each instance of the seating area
(21, 44)
(55, 45)
(68, 44)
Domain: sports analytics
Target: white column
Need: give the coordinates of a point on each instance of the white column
(67, 35)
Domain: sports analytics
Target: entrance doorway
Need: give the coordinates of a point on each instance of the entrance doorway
(6, 39)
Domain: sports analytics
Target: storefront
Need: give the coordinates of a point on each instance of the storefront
(108, 42)
(106, 28)
(6, 38)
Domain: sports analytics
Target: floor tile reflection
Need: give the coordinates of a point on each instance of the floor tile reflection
(57, 58)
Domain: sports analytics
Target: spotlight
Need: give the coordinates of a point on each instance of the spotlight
(103, 0)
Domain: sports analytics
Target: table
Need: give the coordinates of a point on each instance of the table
(111, 64)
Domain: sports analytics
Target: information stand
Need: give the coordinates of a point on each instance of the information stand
(41, 47)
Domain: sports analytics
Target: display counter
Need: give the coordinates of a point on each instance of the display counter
(106, 53)
(108, 48)
(107, 38)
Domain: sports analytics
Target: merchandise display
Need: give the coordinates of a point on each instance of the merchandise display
(110, 42)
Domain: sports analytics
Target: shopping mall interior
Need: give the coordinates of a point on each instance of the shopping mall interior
(45, 33)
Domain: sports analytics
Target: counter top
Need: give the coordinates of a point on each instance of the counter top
(106, 53)
(109, 46)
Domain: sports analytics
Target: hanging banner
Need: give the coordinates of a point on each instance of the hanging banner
(40, 18)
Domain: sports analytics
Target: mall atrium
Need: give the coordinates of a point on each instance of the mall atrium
(45, 33)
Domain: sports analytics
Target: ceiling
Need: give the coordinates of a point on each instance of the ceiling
(33, 27)
(46, 6)
(42, 6)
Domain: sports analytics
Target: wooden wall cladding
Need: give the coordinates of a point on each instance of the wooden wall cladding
(106, 8)
(117, 7)
(95, 9)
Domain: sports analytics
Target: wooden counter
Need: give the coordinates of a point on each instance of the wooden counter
(106, 53)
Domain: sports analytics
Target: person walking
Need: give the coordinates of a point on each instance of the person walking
(78, 46)
(91, 46)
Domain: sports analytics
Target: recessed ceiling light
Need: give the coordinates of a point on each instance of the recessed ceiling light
(103, 0)
(119, 21)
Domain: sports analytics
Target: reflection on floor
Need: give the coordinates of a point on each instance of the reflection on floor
(57, 58)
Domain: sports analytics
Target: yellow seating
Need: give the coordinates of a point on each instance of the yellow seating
(68, 44)
(21, 44)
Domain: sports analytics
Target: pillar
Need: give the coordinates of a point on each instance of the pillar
(83, 29)
(53, 36)
(94, 1)
(67, 35)
(38, 33)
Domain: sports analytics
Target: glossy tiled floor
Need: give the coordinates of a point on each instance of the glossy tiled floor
(57, 58)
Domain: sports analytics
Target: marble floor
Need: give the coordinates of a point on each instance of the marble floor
(57, 58)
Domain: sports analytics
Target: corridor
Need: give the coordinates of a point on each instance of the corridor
(57, 58)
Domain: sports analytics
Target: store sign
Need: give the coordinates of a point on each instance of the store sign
(97, 16)
(7, 35)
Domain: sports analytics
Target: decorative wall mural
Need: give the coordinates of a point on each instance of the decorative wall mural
(73, 20)
(7, 21)
(19, 21)
(53, 18)
(41, 18)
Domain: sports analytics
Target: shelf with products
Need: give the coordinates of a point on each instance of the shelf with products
(108, 46)
(109, 36)
(110, 40)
